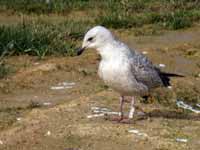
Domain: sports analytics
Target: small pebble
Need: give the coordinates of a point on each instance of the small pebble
(46, 103)
(181, 140)
(18, 119)
(144, 52)
(133, 131)
(162, 65)
(48, 133)
(1, 142)
(169, 87)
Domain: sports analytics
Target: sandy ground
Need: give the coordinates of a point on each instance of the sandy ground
(36, 117)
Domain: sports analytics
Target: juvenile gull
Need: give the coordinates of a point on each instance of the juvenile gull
(127, 71)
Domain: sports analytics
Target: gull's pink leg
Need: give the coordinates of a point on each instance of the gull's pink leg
(132, 110)
(131, 113)
(121, 107)
(121, 115)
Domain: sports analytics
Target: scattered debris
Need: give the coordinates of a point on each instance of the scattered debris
(104, 110)
(137, 132)
(18, 119)
(63, 85)
(162, 65)
(183, 105)
(99, 112)
(1, 142)
(144, 52)
(48, 133)
(96, 115)
(46, 103)
(112, 113)
(57, 87)
(181, 140)
(198, 105)
(99, 108)
(107, 112)
(67, 83)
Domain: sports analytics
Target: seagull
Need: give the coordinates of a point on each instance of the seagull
(125, 70)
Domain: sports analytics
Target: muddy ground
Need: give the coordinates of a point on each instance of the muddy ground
(35, 117)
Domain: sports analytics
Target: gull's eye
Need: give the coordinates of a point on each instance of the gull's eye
(90, 39)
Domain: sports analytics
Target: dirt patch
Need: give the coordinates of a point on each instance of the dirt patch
(57, 119)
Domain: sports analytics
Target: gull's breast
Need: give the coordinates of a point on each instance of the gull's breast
(117, 74)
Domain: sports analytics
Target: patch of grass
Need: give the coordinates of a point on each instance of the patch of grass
(33, 105)
(10, 113)
(148, 30)
(8, 117)
(41, 38)
(163, 96)
(43, 6)
(169, 15)
(173, 20)
(118, 21)
(192, 52)
(73, 141)
(32, 39)
(191, 95)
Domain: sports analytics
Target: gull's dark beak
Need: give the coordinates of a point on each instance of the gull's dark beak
(80, 51)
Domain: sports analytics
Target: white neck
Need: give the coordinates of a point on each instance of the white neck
(107, 51)
(113, 50)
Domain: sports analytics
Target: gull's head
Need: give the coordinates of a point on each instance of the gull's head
(96, 38)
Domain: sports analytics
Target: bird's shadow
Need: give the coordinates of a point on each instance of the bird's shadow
(172, 114)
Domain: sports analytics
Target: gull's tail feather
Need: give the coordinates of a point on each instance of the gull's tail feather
(165, 77)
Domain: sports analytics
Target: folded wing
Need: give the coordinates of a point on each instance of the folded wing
(145, 72)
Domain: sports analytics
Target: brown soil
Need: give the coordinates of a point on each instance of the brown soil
(64, 124)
